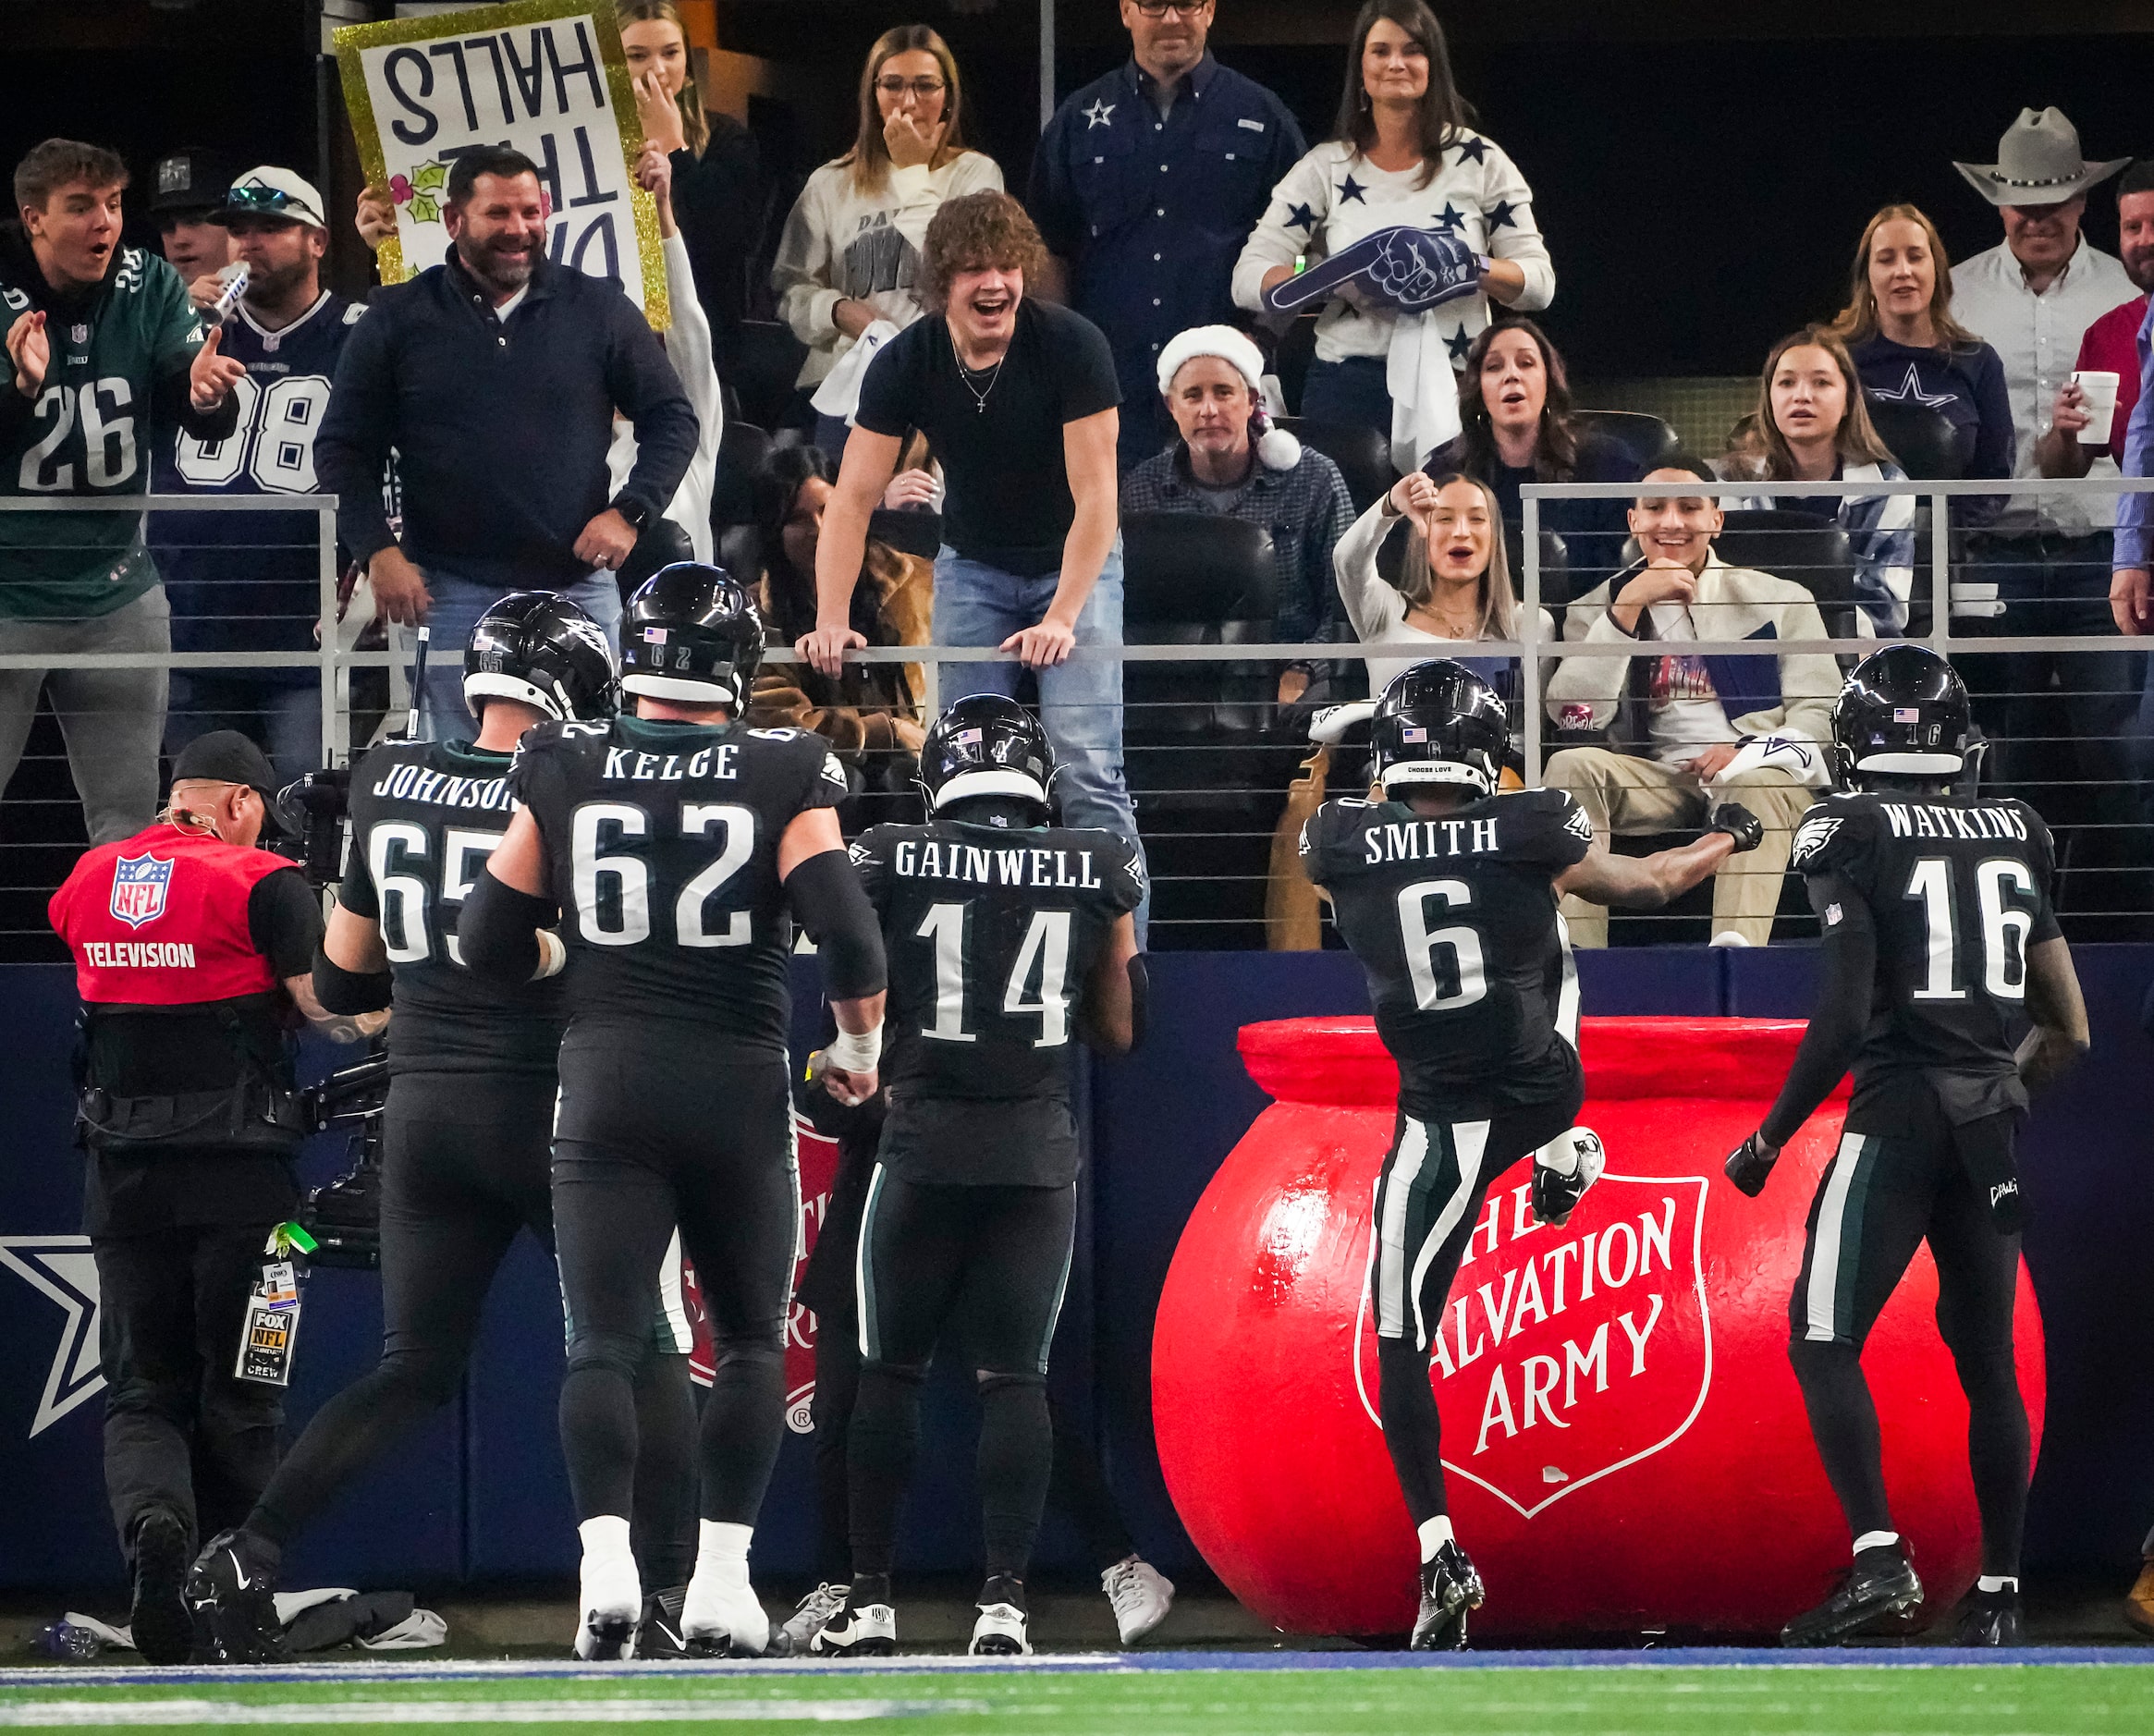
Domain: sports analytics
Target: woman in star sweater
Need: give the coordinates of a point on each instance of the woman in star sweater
(850, 254)
(1401, 154)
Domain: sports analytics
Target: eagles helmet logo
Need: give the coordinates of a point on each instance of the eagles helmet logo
(1812, 836)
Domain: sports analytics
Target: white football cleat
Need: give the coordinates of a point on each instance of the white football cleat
(723, 1618)
(612, 1605)
(1141, 1594)
(865, 1627)
(999, 1632)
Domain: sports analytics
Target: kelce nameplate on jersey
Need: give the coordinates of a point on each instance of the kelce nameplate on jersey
(626, 765)
(993, 865)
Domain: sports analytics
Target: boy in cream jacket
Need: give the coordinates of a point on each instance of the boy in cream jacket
(1685, 730)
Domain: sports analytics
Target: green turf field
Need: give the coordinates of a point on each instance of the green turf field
(1997, 1701)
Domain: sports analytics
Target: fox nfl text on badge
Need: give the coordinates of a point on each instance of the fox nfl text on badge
(266, 1339)
(139, 886)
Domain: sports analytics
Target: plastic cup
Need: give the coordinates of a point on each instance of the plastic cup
(2100, 389)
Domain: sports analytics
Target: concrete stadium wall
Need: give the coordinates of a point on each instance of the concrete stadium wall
(480, 1495)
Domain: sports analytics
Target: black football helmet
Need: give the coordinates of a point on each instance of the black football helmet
(540, 649)
(1438, 722)
(986, 745)
(692, 633)
(1903, 713)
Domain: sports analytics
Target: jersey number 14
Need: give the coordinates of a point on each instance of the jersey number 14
(1045, 953)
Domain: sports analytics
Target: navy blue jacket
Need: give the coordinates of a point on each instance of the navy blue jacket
(500, 428)
(1151, 215)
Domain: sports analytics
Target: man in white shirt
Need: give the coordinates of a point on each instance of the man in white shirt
(2032, 297)
(1686, 730)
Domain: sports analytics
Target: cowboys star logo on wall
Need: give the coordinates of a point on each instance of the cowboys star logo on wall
(62, 1269)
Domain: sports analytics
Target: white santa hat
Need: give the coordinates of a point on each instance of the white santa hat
(1278, 449)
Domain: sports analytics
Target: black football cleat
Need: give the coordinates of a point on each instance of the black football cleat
(1450, 1587)
(1991, 1618)
(1880, 1584)
(658, 1634)
(164, 1632)
(231, 1593)
(866, 1627)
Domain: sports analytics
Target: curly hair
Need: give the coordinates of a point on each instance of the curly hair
(973, 232)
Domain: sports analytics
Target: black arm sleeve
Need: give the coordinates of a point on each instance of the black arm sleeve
(498, 931)
(826, 896)
(1843, 1010)
(284, 923)
(346, 991)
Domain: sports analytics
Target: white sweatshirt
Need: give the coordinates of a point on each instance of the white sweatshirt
(843, 244)
(1477, 193)
(688, 348)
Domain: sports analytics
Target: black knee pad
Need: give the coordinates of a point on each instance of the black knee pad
(991, 1380)
(746, 1360)
(1813, 1359)
(609, 1352)
(431, 1379)
(904, 1373)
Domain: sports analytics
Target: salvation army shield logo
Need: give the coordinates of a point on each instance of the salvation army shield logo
(817, 1159)
(139, 884)
(1567, 1355)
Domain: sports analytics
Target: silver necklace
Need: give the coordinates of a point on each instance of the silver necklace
(965, 373)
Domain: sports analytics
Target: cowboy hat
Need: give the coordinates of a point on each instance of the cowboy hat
(2038, 162)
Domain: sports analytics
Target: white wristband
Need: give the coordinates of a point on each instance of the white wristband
(855, 1053)
(553, 955)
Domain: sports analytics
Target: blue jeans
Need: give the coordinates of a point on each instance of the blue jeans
(1354, 391)
(455, 610)
(1081, 701)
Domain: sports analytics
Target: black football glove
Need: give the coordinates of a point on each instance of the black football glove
(1738, 823)
(1750, 1163)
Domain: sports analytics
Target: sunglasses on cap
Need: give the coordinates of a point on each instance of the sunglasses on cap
(270, 201)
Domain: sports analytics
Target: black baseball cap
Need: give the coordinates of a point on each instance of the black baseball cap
(225, 756)
(190, 181)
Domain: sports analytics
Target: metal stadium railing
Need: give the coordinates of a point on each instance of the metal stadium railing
(1220, 772)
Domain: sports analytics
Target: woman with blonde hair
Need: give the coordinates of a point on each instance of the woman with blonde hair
(1454, 586)
(718, 181)
(849, 255)
(1899, 328)
(1811, 426)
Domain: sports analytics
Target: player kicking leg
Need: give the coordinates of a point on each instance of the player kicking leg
(1446, 892)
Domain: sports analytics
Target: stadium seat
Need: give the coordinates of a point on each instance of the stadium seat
(1650, 441)
(1205, 763)
(1801, 546)
(742, 450)
(1363, 455)
(1919, 436)
(770, 358)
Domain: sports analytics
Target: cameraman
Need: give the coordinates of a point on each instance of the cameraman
(193, 954)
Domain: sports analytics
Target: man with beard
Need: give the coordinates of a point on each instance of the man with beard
(250, 581)
(1018, 399)
(496, 375)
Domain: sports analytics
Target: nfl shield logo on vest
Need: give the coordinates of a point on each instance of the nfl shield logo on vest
(139, 884)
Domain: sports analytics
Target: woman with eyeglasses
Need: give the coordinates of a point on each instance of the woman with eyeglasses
(1402, 155)
(718, 180)
(849, 255)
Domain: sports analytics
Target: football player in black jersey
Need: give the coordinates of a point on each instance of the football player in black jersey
(468, 1127)
(1948, 988)
(1006, 937)
(678, 843)
(1446, 891)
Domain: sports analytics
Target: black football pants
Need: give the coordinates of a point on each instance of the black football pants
(653, 1132)
(1429, 1199)
(181, 1431)
(994, 1261)
(464, 1168)
(1898, 1181)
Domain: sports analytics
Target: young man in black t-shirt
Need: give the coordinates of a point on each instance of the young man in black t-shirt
(1018, 399)
(1948, 988)
(1446, 891)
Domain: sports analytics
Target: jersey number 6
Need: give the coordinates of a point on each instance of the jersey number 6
(1445, 963)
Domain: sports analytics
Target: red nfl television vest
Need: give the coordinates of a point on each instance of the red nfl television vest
(160, 920)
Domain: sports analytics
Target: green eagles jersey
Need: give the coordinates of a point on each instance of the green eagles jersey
(89, 432)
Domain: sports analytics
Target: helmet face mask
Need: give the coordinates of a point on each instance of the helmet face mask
(1439, 725)
(693, 635)
(987, 744)
(1903, 717)
(540, 649)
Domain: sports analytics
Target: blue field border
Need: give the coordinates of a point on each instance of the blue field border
(1085, 1663)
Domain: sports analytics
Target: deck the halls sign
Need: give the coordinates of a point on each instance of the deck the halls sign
(544, 77)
